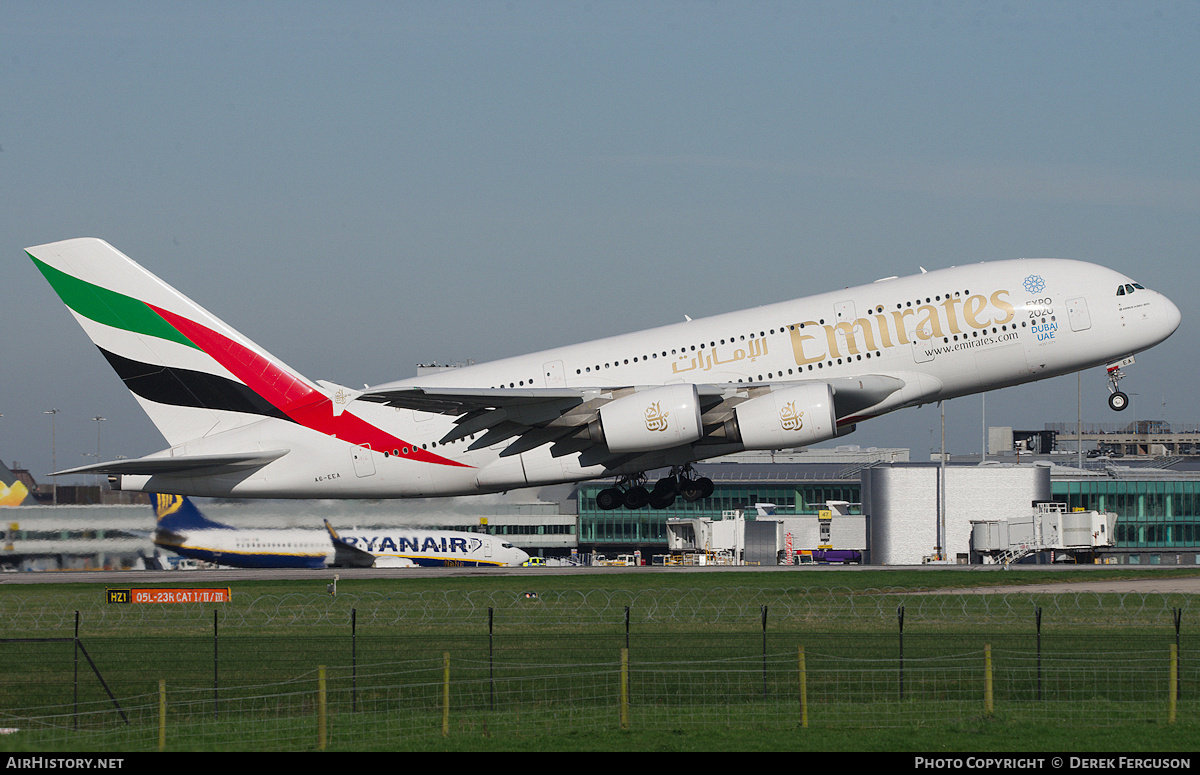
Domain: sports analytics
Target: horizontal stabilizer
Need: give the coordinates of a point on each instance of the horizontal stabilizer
(176, 466)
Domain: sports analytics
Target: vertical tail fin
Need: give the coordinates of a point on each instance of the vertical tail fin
(14, 494)
(192, 374)
(12, 489)
(177, 512)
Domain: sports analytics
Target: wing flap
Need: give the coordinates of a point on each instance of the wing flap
(458, 401)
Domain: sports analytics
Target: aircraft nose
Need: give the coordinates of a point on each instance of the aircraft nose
(1171, 316)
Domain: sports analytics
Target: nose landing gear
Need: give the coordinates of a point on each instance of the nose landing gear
(1117, 401)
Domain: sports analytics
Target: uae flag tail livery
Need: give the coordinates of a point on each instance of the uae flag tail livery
(226, 406)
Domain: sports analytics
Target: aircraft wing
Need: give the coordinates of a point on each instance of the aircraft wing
(183, 464)
(531, 417)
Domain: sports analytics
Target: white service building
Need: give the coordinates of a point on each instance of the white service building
(903, 503)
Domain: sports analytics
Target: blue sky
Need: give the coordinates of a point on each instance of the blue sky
(360, 187)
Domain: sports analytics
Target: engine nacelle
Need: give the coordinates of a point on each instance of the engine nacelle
(652, 419)
(789, 417)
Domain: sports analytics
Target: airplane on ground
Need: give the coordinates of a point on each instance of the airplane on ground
(241, 423)
(182, 528)
(397, 547)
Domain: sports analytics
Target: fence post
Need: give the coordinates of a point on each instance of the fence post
(627, 650)
(1173, 685)
(900, 617)
(491, 666)
(162, 714)
(1038, 616)
(354, 660)
(988, 700)
(445, 694)
(803, 688)
(764, 651)
(321, 708)
(216, 662)
(625, 689)
(1178, 619)
(75, 716)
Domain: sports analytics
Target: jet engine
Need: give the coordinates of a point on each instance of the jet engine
(789, 417)
(651, 419)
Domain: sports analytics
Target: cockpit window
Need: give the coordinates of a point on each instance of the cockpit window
(1128, 288)
(1120, 290)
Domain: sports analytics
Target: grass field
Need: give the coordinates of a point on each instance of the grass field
(535, 662)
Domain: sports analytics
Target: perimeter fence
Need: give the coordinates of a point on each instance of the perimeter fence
(377, 671)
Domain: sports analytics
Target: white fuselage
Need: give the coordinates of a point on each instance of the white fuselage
(945, 333)
(252, 548)
(393, 546)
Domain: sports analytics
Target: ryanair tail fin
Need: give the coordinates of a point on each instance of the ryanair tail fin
(347, 556)
(174, 513)
(192, 374)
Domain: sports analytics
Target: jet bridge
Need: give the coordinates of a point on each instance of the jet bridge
(1049, 526)
(747, 542)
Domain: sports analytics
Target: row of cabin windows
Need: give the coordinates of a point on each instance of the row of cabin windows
(791, 372)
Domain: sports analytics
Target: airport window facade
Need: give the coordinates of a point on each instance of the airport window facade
(1150, 514)
(648, 526)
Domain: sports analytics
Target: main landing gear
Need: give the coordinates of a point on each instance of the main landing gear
(632, 493)
(1117, 401)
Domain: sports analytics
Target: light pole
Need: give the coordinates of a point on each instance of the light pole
(98, 419)
(53, 451)
(99, 477)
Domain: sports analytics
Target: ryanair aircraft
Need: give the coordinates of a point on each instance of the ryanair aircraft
(241, 423)
(184, 529)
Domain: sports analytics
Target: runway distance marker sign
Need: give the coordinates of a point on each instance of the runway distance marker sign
(164, 595)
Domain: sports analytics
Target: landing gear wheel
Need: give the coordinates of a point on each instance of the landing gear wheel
(667, 485)
(661, 499)
(693, 490)
(609, 499)
(636, 497)
(1118, 401)
(664, 492)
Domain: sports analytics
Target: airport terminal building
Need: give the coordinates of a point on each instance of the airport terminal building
(895, 511)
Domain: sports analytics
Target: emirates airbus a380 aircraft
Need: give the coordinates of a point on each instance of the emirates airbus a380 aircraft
(241, 423)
